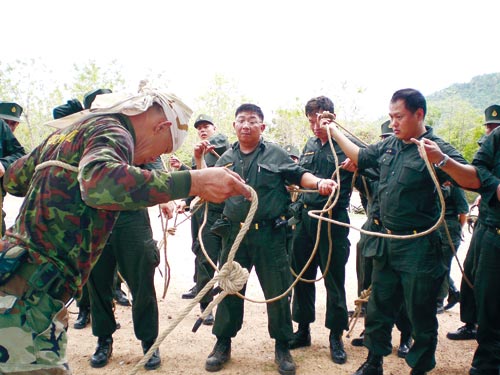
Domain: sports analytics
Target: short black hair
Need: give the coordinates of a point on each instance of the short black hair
(319, 104)
(248, 107)
(413, 99)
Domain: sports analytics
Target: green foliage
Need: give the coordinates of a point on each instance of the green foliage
(481, 92)
(89, 76)
(219, 101)
(289, 126)
(456, 113)
(457, 122)
(38, 90)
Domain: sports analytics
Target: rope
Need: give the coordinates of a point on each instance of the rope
(56, 163)
(441, 221)
(166, 277)
(231, 278)
(122, 279)
(362, 299)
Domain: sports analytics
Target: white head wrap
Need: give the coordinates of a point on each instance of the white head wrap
(133, 104)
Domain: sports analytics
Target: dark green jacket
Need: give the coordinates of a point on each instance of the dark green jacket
(487, 163)
(319, 160)
(407, 195)
(10, 148)
(269, 168)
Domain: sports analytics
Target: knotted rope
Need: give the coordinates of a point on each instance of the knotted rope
(231, 278)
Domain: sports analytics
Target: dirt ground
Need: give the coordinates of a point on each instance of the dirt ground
(184, 352)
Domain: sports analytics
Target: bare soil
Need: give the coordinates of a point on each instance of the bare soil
(184, 352)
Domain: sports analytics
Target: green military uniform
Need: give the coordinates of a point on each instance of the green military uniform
(63, 231)
(132, 248)
(10, 150)
(319, 160)
(408, 271)
(485, 256)
(370, 247)
(456, 204)
(264, 245)
(213, 243)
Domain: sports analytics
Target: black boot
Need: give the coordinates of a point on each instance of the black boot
(155, 361)
(466, 332)
(359, 341)
(220, 354)
(439, 307)
(283, 358)
(417, 372)
(372, 366)
(301, 338)
(404, 345)
(83, 318)
(337, 351)
(121, 298)
(103, 352)
(191, 293)
(209, 319)
(453, 297)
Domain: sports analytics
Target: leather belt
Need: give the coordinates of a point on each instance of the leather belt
(271, 223)
(404, 232)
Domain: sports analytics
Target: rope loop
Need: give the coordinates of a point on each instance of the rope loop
(232, 277)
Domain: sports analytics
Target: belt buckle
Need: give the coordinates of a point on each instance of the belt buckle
(254, 225)
(497, 230)
(376, 221)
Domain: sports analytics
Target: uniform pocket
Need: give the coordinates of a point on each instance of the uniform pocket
(412, 174)
(48, 321)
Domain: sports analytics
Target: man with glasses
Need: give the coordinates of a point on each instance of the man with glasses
(265, 167)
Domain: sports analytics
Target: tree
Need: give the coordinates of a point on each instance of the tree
(219, 101)
(38, 90)
(289, 126)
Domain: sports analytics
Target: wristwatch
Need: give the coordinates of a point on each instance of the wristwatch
(443, 162)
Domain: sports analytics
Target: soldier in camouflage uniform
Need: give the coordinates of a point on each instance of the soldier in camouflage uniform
(75, 184)
(264, 166)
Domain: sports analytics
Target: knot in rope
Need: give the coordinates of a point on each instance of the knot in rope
(363, 298)
(232, 277)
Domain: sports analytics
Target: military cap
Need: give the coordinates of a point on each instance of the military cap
(89, 97)
(492, 114)
(203, 118)
(385, 129)
(10, 111)
(63, 110)
(292, 151)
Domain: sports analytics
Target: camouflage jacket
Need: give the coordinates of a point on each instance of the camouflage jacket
(67, 216)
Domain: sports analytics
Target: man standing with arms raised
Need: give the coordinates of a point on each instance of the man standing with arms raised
(409, 271)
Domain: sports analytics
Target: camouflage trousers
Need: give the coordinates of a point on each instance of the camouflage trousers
(33, 336)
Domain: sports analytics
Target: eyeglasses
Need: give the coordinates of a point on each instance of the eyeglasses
(249, 122)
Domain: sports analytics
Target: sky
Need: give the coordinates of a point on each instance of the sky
(275, 51)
